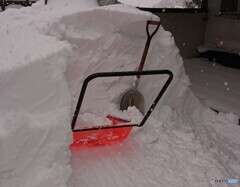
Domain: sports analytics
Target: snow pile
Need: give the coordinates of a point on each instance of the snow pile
(35, 101)
(34, 116)
(41, 77)
(112, 39)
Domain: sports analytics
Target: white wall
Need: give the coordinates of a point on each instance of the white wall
(222, 31)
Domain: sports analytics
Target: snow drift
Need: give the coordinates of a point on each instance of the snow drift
(112, 39)
(41, 77)
(35, 101)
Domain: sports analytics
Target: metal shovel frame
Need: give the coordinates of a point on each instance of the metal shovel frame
(121, 74)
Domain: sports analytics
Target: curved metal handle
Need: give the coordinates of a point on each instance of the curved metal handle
(122, 74)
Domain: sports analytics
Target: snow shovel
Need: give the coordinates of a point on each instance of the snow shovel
(119, 128)
(133, 97)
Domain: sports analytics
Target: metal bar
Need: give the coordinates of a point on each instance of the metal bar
(162, 91)
(121, 74)
(105, 127)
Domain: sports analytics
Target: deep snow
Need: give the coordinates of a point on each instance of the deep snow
(46, 51)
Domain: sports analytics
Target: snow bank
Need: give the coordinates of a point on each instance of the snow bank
(44, 64)
(34, 98)
(41, 77)
(112, 39)
(175, 147)
(34, 122)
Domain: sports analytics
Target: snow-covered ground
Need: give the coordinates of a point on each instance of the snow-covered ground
(157, 3)
(216, 85)
(153, 3)
(46, 51)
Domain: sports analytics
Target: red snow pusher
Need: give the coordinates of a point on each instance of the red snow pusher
(119, 128)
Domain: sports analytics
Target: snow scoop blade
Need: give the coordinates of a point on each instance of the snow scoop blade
(101, 136)
(132, 97)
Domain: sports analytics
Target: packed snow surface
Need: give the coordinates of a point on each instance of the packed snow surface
(217, 86)
(47, 51)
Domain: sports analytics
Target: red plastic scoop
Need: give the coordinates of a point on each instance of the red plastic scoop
(102, 136)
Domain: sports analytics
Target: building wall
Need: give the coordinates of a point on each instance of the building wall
(187, 28)
(222, 31)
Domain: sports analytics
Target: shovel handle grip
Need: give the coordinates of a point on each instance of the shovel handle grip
(153, 22)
